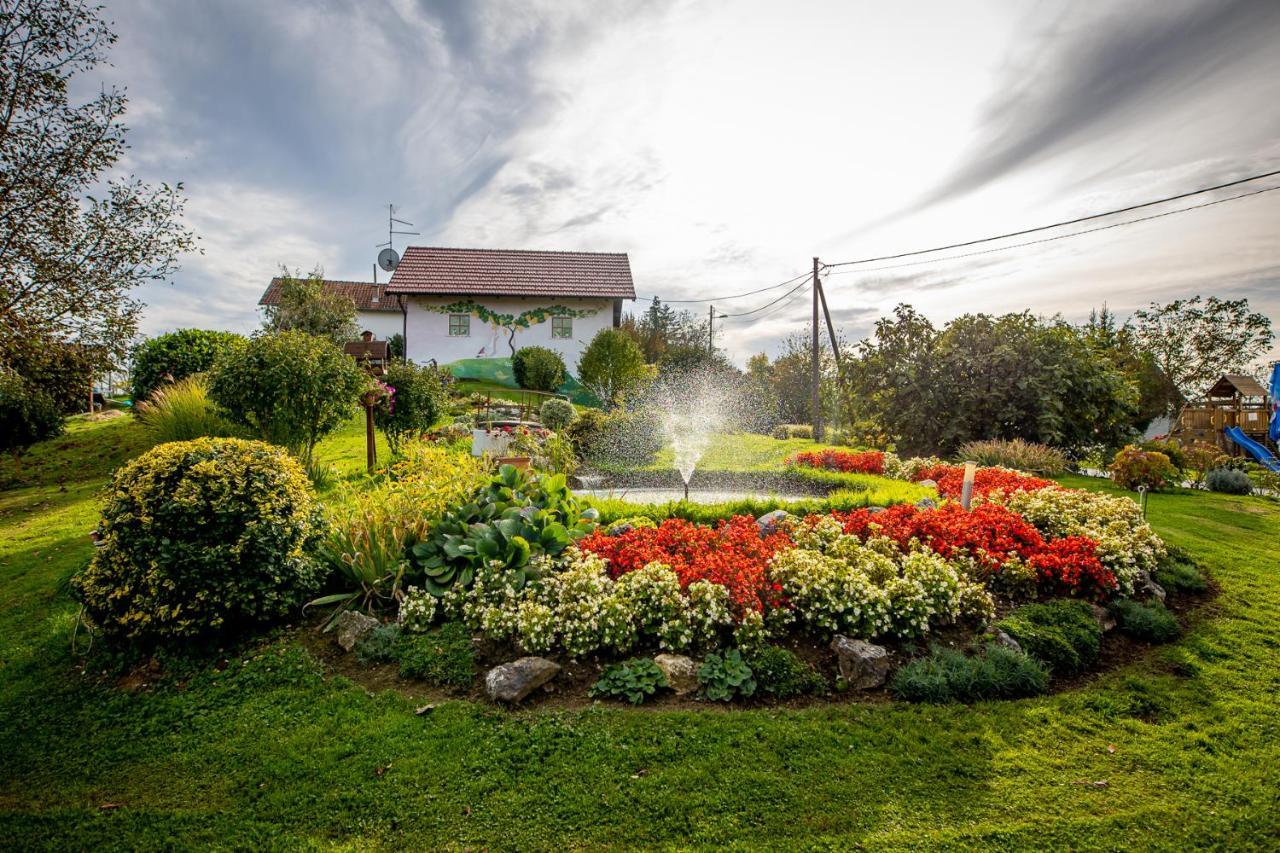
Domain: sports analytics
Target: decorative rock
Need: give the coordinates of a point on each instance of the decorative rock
(1000, 638)
(352, 626)
(511, 682)
(863, 665)
(681, 672)
(932, 484)
(1145, 587)
(872, 510)
(771, 521)
(1104, 618)
(926, 503)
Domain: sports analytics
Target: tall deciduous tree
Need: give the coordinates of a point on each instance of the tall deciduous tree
(306, 305)
(74, 241)
(1193, 341)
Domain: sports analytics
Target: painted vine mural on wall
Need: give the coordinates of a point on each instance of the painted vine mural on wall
(513, 322)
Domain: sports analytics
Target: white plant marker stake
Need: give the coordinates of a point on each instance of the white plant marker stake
(966, 491)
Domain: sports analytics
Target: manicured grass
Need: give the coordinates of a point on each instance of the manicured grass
(1178, 749)
(745, 451)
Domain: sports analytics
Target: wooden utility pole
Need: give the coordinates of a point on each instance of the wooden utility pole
(815, 399)
(711, 328)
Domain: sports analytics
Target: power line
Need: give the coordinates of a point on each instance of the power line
(1062, 236)
(725, 298)
(804, 283)
(1075, 221)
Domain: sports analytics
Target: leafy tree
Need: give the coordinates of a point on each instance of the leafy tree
(27, 415)
(69, 259)
(62, 370)
(177, 355)
(306, 305)
(415, 404)
(793, 379)
(1193, 341)
(1156, 393)
(290, 388)
(984, 377)
(613, 367)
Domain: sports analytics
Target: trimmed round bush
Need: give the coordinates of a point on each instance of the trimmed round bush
(556, 414)
(201, 538)
(177, 355)
(1134, 467)
(1228, 481)
(538, 369)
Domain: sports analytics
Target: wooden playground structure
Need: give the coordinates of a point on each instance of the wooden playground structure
(1234, 402)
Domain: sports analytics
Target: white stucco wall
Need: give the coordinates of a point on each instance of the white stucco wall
(383, 324)
(429, 338)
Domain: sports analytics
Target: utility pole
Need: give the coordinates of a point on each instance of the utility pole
(815, 399)
(711, 329)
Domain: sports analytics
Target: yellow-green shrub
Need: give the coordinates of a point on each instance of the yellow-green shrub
(369, 530)
(199, 538)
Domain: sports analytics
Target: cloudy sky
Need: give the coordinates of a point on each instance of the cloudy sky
(722, 144)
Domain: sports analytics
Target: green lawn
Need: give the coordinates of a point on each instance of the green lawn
(1179, 749)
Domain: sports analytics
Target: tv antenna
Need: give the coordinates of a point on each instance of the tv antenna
(387, 258)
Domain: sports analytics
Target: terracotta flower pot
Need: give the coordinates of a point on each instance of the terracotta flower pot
(520, 462)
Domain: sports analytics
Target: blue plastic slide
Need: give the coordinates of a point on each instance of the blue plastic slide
(1274, 428)
(1265, 457)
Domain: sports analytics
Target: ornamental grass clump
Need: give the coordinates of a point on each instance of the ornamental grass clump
(1228, 481)
(948, 675)
(181, 411)
(1016, 454)
(201, 538)
(1149, 621)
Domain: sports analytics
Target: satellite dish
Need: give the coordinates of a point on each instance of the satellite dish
(388, 259)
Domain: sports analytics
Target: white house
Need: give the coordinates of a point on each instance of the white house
(479, 303)
(452, 304)
(375, 311)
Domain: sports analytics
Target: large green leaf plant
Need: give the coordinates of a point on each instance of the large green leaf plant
(518, 515)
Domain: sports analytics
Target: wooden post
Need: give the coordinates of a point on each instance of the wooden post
(369, 399)
(711, 328)
(815, 398)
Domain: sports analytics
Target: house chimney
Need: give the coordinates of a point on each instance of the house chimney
(366, 336)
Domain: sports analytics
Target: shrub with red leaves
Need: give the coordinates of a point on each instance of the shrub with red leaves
(845, 461)
(1071, 566)
(950, 480)
(733, 554)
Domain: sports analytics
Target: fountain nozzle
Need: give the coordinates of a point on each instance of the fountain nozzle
(686, 491)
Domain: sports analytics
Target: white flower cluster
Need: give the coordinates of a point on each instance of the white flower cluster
(417, 610)
(861, 590)
(576, 606)
(1126, 543)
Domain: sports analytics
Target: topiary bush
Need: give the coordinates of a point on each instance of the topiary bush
(1145, 621)
(1133, 467)
(1063, 634)
(201, 538)
(780, 673)
(556, 414)
(1228, 481)
(27, 415)
(415, 404)
(948, 675)
(538, 369)
(290, 388)
(177, 355)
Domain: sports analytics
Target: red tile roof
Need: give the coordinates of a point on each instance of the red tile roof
(513, 272)
(366, 295)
